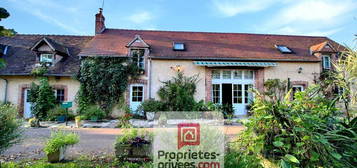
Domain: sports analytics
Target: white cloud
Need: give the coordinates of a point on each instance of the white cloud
(141, 17)
(230, 8)
(37, 8)
(310, 17)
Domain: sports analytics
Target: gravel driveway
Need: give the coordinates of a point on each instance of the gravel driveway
(94, 142)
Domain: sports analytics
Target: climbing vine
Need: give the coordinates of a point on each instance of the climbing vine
(103, 80)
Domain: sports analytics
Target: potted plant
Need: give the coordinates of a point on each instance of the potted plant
(94, 113)
(59, 114)
(133, 146)
(56, 146)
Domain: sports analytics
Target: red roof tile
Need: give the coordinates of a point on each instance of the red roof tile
(206, 45)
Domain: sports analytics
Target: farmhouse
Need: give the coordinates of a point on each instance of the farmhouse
(228, 64)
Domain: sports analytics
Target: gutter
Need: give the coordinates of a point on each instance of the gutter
(149, 73)
(6, 85)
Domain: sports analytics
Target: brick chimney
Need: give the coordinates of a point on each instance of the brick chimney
(99, 22)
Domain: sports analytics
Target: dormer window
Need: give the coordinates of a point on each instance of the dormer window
(178, 46)
(46, 58)
(138, 57)
(326, 62)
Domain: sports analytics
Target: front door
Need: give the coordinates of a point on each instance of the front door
(27, 105)
(242, 97)
(136, 96)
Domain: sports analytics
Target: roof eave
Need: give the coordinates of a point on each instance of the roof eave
(233, 59)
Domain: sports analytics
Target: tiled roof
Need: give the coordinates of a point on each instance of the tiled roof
(206, 45)
(20, 59)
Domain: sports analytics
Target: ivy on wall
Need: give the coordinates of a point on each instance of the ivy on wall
(103, 81)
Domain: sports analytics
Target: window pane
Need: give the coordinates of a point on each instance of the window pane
(216, 74)
(237, 93)
(226, 74)
(238, 75)
(138, 57)
(326, 62)
(248, 74)
(247, 94)
(60, 95)
(46, 58)
(216, 93)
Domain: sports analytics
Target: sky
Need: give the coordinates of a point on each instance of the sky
(336, 19)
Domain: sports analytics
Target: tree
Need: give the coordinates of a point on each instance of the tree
(42, 97)
(5, 32)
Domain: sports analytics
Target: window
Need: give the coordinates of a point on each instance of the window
(216, 90)
(283, 49)
(60, 95)
(326, 62)
(138, 57)
(238, 74)
(178, 46)
(247, 94)
(248, 74)
(137, 94)
(216, 74)
(237, 93)
(297, 88)
(46, 58)
(227, 75)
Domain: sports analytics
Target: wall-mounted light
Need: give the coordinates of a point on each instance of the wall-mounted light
(177, 68)
(300, 70)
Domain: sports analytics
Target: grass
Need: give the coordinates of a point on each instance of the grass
(82, 162)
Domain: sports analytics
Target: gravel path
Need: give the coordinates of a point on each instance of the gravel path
(95, 142)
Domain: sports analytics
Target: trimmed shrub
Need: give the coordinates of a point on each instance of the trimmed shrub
(9, 127)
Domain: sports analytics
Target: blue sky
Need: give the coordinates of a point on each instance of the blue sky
(336, 19)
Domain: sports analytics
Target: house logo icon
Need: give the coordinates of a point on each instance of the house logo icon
(188, 134)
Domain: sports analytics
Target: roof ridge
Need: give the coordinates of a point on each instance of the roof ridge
(211, 32)
(60, 35)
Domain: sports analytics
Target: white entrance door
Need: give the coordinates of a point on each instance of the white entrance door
(242, 97)
(27, 105)
(136, 96)
(239, 96)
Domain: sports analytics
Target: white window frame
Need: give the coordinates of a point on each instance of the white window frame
(328, 66)
(138, 63)
(216, 96)
(46, 61)
(132, 90)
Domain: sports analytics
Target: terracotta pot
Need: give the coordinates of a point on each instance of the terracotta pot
(57, 156)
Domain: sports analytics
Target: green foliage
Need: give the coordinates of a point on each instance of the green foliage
(130, 134)
(9, 126)
(298, 133)
(39, 71)
(59, 111)
(177, 94)
(94, 111)
(42, 97)
(3, 31)
(82, 162)
(124, 121)
(275, 89)
(103, 81)
(151, 105)
(60, 139)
